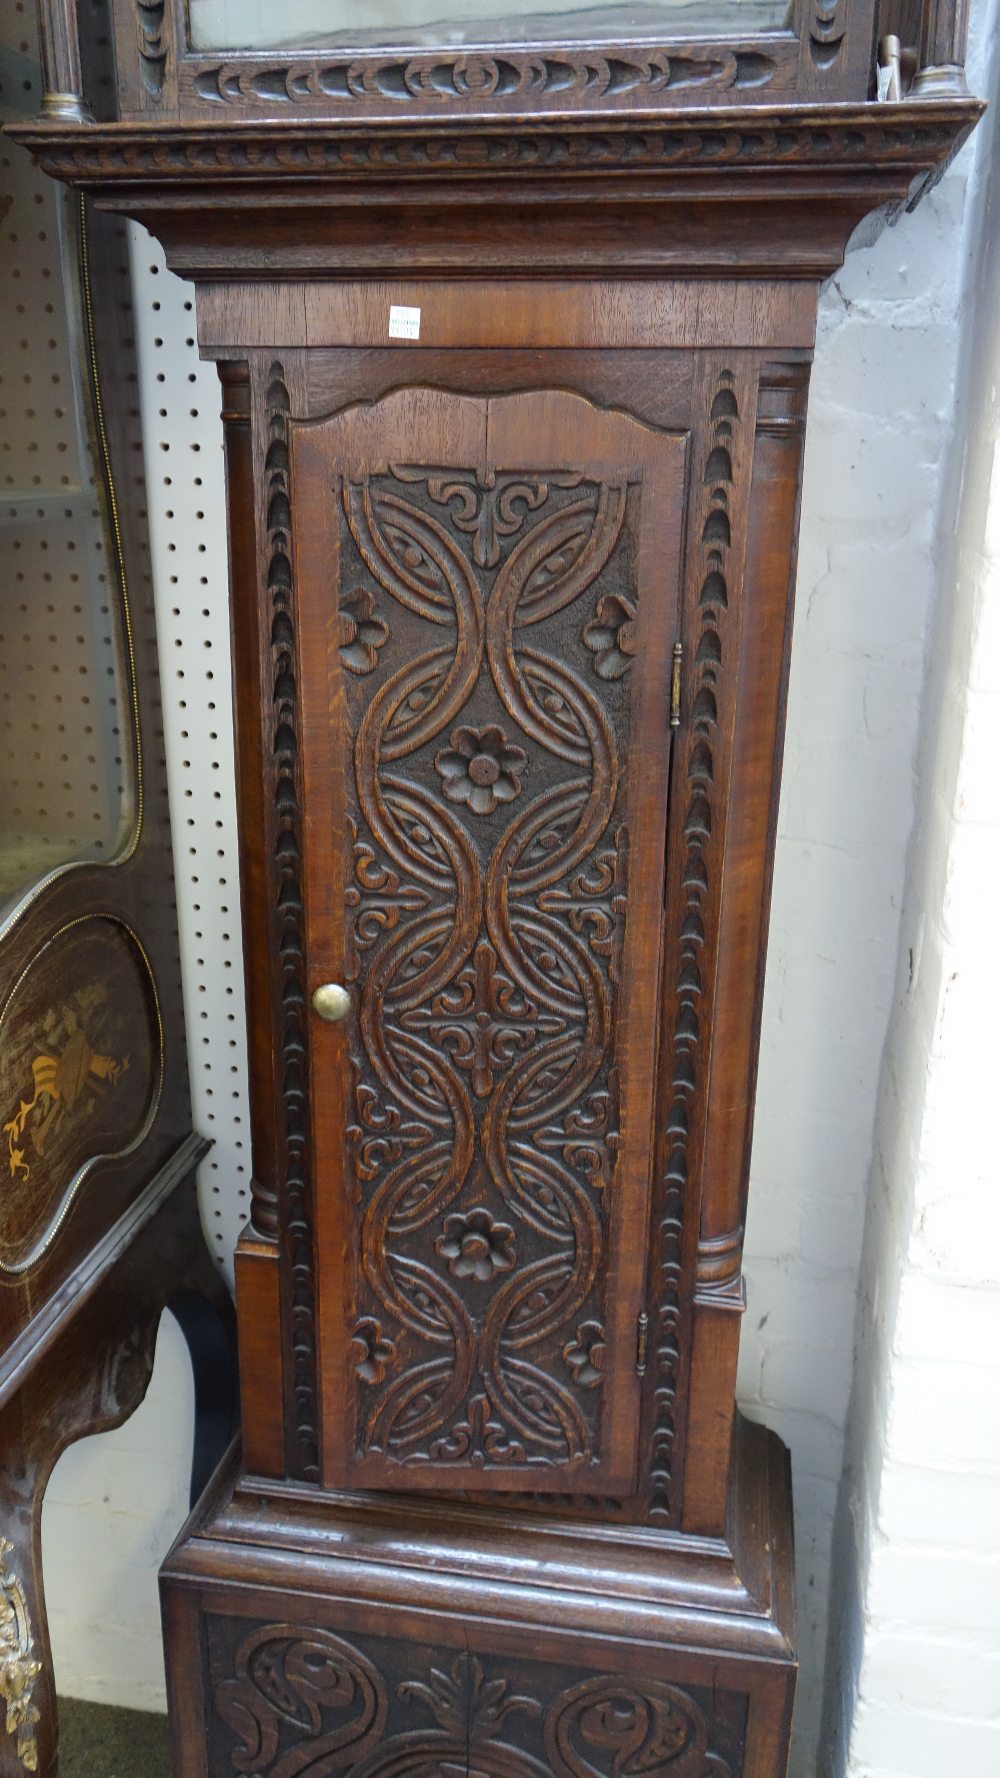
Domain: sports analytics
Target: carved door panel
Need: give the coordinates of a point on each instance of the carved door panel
(488, 600)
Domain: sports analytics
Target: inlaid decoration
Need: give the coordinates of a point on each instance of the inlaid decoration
(80, 1062)
(67, 1080)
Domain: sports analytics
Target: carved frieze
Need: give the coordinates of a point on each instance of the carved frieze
(290, 1698)
(861, 136)
(634, 76)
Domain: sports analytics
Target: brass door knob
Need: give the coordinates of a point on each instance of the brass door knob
(332, 1002)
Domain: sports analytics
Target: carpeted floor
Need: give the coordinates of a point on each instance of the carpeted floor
(98, 1742)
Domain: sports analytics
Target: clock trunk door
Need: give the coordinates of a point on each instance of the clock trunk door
(487, 595)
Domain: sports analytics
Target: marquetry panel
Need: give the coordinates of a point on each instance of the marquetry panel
(485, 721)
(80, 1063)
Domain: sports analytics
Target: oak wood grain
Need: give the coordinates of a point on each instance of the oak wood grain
(617, 273)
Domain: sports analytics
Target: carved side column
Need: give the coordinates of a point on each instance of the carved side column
(722, 453)
(763, 644)
(274, 1258)
(258, 1276)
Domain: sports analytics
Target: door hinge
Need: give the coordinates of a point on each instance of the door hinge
(642, 1345)
(675, 686)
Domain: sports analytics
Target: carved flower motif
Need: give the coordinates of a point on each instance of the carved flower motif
(475, 1246)
(362, 634)
(467, 1705)
(375, 1352)
(612, 636)
(481, 768)
(584, 1356)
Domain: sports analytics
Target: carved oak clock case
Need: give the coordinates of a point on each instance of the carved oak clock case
(514, 333)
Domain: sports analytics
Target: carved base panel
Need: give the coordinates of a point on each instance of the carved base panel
(310, 1634)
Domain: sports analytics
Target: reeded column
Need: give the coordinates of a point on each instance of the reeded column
(62, 73)
(944, 32)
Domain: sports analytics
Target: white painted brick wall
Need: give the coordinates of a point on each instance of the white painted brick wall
(881, 417)
(880, 424)
(915, 1643)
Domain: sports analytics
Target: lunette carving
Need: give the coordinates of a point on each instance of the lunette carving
(19, 1668)
(827, 30)
(487, 933)
(149, 24)
(636, 76)
(306, 1699)
(287, 879)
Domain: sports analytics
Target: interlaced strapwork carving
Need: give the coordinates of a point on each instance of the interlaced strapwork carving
(488, 886)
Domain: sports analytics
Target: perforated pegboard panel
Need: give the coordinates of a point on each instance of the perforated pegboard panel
(182, 432)
(62, 686)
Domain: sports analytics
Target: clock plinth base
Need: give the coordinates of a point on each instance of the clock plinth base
(382, 1635)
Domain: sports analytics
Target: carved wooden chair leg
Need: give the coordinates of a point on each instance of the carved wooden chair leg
(81, 1387)
(204, 1311)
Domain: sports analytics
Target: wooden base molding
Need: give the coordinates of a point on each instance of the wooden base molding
(313, 1632)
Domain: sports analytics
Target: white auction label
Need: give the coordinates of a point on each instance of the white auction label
(404, 324)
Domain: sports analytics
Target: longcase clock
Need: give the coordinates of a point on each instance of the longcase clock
(514, 317)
